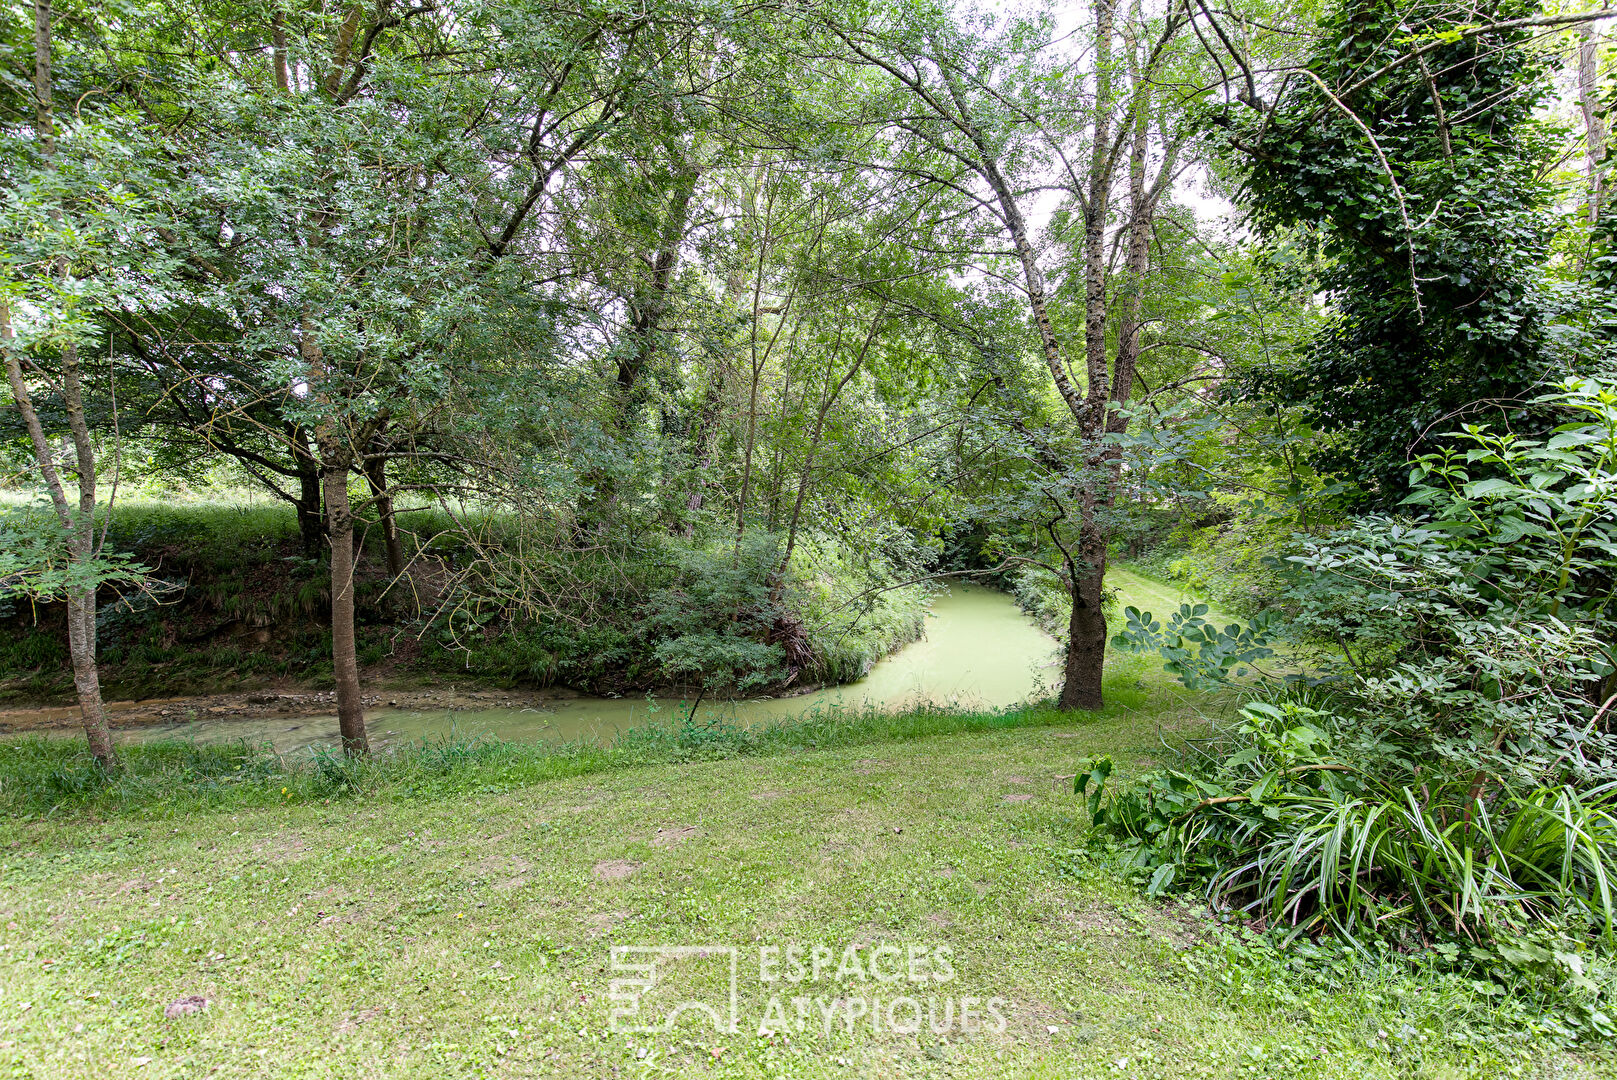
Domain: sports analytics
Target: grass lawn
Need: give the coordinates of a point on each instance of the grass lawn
(389, 934)
(1149, 594)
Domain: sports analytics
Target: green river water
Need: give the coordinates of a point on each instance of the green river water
(979, 651)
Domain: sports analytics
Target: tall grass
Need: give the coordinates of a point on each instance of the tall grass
(44, 776)
(1354, 862)
(1270, 818)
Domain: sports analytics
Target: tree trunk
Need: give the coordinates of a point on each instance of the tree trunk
(648, 305)
(79, 529)
(79, 532)
(651, 303)
(344, 648)
(376, 476)
(1086, 630)
(311, 522)
(81, 605)
(336, 455)
(703, 433)
(1594, 123)
(81, 647)
(278, 52)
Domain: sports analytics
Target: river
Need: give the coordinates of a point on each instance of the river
(979, 651)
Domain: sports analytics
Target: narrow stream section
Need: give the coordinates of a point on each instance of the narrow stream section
(980, 651)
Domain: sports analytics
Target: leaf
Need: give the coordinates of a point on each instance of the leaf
(1161, 879)
(1476, 489)
(1524, 955)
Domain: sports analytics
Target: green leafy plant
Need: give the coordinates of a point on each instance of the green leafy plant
(1445, 777)
(1200, 653)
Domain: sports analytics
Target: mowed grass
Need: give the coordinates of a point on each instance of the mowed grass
(384, 934)
(1148, 594)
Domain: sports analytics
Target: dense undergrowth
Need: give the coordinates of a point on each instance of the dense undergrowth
(1440, 775)
(231, 600)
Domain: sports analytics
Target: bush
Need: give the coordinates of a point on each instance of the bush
(1277, 823)
(498, 598)
(1446, 775)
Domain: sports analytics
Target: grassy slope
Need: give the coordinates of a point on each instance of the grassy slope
(470, 937)
(406, 936)
(1148, 594)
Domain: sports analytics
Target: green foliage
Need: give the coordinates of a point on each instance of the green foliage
(1270, 820)
(1493, 1011)
(1044, 597)
(1436, 271)
(1199, 653)
(1448, 782)
(714, 623)
(1478, 632)
(850, 609)
(35, 561)
(663, 615)
(1222, 556)
(1280, 826)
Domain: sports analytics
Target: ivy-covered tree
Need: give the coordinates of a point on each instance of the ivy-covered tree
(1406, 148)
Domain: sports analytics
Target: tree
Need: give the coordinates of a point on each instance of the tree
(981, 115)
(355, 202)
(56, 225)
(1406, 149)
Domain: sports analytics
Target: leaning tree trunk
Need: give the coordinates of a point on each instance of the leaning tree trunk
(1594, 120)
(78, 530)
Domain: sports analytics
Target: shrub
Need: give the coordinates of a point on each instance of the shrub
(1446, 774)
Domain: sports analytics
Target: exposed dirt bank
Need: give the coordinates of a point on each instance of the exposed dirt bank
(289, 701)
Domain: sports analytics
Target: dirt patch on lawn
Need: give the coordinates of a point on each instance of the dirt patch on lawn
(615, 869)
(601, 922)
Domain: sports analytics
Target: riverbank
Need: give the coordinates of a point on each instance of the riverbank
(232, 602)
(287, 699)
(458, 921)
(978, 652)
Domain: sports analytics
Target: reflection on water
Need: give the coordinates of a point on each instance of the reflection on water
(979, 651)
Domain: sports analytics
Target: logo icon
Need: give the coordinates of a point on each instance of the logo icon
(642, 998)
